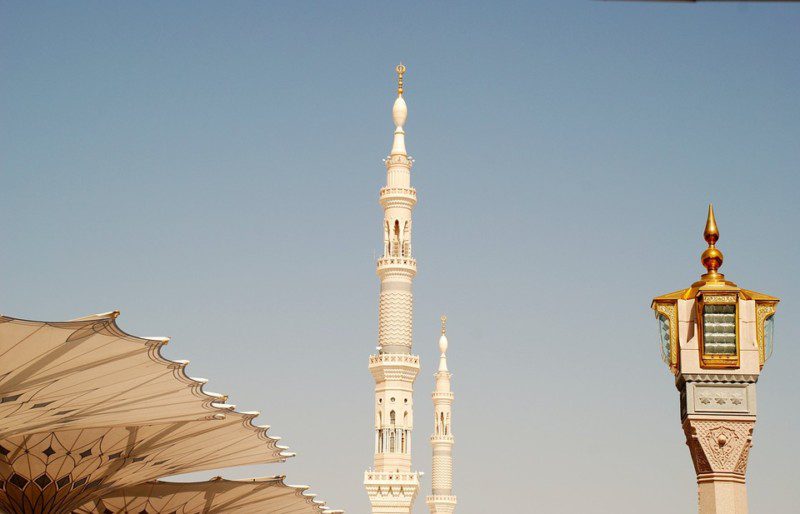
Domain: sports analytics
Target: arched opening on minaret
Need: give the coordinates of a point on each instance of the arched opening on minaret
(406, 239)
(441, 423)
(396, 239)
(387, 237)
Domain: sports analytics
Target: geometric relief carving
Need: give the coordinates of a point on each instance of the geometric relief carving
(723, 399)
(719, 446)
(395, 318)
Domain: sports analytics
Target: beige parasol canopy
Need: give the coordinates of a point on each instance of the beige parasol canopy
(91, 414)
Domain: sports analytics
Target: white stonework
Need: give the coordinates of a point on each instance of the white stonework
(442, 500)
(718, 412)
(391, 485)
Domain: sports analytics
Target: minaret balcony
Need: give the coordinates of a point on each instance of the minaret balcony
(389, 477)
(443, 498)
(448, 439)
(398, 197)
(397, 264)
(397, 367)
(393, 160)
(394, 359)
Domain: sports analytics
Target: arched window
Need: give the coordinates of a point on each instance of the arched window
(387, 237)
(396, 239)
(391, 418)
(391, 441)
(441, 421)
(406, 240)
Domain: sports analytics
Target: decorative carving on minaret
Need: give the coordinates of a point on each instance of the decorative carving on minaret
(391, 485)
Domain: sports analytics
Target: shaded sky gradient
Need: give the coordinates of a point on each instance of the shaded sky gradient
(212, 170)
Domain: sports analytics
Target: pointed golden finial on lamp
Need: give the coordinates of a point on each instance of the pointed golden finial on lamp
(401, 70)
(712, 257)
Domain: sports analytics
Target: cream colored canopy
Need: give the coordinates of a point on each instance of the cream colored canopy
(88, 411)
(256, 496)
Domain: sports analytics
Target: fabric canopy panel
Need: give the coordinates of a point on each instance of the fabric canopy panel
(89, 373)
(255, 496)
(88, 411)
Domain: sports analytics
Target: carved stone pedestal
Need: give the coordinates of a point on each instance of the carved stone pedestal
(719, 449)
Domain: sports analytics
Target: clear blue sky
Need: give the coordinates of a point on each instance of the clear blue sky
(212, 171)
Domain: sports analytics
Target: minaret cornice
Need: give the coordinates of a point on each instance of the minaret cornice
(401, 267)
(398, 197)
(394, 367)
(444, 439)
(394, 160)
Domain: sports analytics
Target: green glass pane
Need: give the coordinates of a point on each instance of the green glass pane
(769, 336)
(664, 337)
(719, 329)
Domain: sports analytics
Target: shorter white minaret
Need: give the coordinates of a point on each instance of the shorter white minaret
(442, 500)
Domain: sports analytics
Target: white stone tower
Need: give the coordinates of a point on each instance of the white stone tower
(391, 485)
(442, 500)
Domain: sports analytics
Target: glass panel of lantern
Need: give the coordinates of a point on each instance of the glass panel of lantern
(769, 336)
(663, 335)
(719, 329)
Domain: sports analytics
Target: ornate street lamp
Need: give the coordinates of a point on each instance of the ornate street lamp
(715, 337)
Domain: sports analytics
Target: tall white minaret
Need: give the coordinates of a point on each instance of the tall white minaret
(442, 500)
(391, 485)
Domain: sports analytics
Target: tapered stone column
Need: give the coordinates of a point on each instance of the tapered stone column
(719, 449)
(391, 485)
(442, 500)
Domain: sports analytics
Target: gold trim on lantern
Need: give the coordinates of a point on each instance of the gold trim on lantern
(670, 311)
(763, 312)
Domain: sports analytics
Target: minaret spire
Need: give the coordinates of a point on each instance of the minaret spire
(391, 485)
(442, 500)
(401, 70)
(399, 115)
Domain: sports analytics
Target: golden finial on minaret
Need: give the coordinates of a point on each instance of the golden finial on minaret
(712, 257)
(444, 325)
(401, 70)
